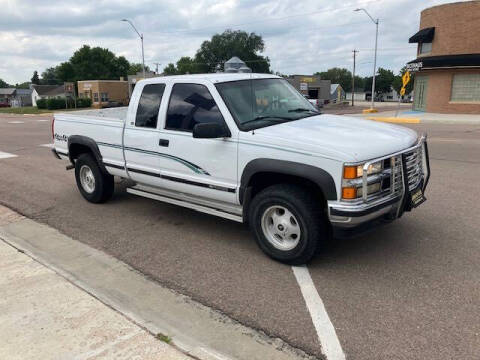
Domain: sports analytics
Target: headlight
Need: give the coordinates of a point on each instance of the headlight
(372, 188)
(356, 171)
(352, 183)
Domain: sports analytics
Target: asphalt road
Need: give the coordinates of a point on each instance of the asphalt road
(406, 290)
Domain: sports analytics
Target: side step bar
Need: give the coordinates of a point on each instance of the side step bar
(156, 195)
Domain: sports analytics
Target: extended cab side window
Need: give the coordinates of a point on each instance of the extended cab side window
(191, 104)
(148, 106)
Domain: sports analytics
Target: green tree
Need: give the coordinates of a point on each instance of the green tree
(35, 78)
(383, 81)
(170, 69)
(97, 64)
(3, 84)
(65, 72)
(187, 65)
(135, 68)
(49, 77)
(213, 53)
(24, 85)
(338, 76)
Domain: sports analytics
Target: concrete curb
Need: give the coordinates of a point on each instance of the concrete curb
(395, 120)
(196, 330)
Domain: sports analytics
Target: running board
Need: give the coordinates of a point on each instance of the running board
(197, 207)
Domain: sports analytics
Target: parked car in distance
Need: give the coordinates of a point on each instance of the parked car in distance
(249, 148)
(4, 104)
(315, 102)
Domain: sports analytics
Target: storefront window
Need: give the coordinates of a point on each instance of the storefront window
(466, 87)
(425, 48)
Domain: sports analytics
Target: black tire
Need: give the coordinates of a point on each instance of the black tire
(103, 185)
(308, 213)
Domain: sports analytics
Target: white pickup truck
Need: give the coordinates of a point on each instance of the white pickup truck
(250, 148)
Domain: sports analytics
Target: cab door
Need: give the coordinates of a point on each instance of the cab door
(141, 135)
(201, 167)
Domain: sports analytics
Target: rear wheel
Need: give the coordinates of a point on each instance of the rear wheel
(288, 223)
(95, 185)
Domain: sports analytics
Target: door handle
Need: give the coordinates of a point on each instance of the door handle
(163, 142)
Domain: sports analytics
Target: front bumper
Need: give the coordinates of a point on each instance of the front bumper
(392, 205)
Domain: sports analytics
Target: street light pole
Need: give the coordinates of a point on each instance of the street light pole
(375, 57)
(141, 39)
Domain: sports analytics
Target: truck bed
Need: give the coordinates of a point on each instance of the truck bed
(119, 113)
(103, 126)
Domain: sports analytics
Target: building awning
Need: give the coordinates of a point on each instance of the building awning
(445, 61)
(423, 36)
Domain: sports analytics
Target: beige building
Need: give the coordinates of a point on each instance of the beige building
(448, 59)
(104, 93)
(312, 86)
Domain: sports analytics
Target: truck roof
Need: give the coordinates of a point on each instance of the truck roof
(213, 77)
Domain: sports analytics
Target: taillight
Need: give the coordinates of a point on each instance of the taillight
(53, 123)
(316, 102)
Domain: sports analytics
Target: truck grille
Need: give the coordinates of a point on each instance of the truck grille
(393, 185)
(413, 164)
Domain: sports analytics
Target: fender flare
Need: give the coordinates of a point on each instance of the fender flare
(315, 174)
(89, 143)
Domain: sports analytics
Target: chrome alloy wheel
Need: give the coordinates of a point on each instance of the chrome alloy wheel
(281, 228)
(87, 179)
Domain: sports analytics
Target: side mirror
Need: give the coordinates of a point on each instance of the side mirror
(210, 130)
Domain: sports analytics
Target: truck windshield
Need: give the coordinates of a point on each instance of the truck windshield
(257, 103)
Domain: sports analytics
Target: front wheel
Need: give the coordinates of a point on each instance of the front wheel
(95, 185)
(288, 223)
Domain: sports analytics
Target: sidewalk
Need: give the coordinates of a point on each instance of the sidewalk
(413, 116)
(43, 316)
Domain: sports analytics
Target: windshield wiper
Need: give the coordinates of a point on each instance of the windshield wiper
(303, 110)
(269, 118)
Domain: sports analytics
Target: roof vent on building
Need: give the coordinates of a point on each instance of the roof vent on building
(236, 65)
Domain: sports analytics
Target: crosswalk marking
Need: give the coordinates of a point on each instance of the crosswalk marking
(4, 155)
(16, 122)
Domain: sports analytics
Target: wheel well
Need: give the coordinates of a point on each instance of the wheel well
(76, 150)
(262, 180)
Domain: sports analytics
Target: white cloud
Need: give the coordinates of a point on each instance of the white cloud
(300, 36)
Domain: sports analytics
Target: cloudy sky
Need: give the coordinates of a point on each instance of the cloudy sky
(301, 36)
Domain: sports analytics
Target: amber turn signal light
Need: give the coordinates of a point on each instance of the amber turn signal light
(349, 193)
(350, 172)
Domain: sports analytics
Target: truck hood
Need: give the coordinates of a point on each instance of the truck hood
(342, 138)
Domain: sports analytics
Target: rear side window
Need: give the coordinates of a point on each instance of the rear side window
(148, 106)
(191, 104)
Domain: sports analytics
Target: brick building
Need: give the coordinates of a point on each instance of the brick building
(104, 93)
(448, 59)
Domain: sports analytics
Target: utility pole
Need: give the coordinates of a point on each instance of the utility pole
(156, 67)
(353, 77)
(141, 39)
(375, 21)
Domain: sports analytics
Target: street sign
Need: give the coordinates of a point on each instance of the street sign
(303, 86)
(69, 87)
(405, 81)
(406, 78)
(415, 66)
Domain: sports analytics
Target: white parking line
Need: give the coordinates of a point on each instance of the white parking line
(16, 122)
(4, 155)
(327, 336)
(47, 145)
(42, 120)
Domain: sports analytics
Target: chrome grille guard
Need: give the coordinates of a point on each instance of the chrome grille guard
(425, 167)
